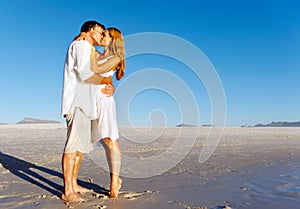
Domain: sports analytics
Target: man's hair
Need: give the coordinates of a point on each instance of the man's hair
(88, 25)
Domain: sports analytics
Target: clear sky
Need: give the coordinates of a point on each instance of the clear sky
(254, 47)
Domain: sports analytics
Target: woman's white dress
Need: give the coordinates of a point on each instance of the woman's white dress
(106, 124)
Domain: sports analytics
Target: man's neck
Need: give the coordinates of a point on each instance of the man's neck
(89, 40)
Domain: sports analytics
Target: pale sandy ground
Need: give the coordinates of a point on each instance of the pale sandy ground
(251, 168)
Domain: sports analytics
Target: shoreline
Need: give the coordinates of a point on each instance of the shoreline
(251, 168)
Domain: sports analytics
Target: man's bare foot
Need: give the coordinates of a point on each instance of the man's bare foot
(81, 190)
(114, 189)
(73, 197)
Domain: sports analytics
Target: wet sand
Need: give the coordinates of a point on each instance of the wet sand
(251, 168)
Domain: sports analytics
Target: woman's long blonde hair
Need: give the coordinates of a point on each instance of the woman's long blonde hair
(116, 47)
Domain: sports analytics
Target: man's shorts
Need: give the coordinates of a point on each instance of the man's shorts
(79, 132)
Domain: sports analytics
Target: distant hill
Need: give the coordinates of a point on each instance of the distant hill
(279, 124)
(185, 125)
(207, 125)
(34, 120)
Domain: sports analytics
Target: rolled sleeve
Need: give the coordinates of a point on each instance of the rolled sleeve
(83, 60)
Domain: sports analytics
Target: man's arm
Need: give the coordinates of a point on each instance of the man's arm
(98, 79)
(109, 89)
(85, 72)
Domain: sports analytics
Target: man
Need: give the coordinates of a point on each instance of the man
(78, 105)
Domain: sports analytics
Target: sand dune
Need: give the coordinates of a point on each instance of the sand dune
(251, 168)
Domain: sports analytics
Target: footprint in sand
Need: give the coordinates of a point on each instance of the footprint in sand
(126, 195)
(289, 176)
(254, 187)
(130, 195)
(100, 206)
(135, 195)
(100, 196)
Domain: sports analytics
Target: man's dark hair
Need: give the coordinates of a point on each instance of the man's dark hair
(88, 25)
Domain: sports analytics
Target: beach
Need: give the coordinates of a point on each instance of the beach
(250, 168)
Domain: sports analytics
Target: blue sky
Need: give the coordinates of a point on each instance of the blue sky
(254, 47)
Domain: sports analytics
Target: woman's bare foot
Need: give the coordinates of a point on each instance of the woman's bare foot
(81, 190)
(73, 197)
(114, 189)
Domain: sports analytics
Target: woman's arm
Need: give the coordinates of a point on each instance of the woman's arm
(80, 36)
(110, 64)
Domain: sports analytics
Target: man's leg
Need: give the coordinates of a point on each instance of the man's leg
(113, 156)
(68, 168)
(77, 188)
(77, 139)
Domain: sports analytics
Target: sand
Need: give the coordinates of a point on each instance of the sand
(251, 168)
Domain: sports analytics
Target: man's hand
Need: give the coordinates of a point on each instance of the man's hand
(106, 80)
(109, 90)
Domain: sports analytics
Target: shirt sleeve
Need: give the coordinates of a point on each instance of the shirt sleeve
(83, 60)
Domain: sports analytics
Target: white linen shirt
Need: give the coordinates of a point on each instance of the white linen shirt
(76, 92)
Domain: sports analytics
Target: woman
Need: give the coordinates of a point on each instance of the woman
(106, 124)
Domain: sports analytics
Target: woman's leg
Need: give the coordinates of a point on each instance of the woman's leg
(113, 156)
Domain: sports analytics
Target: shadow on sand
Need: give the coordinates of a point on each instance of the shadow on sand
(25, 171)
